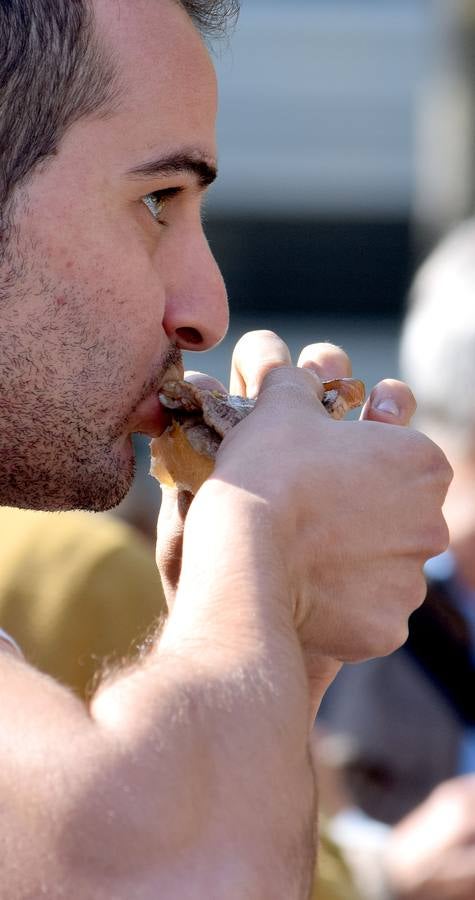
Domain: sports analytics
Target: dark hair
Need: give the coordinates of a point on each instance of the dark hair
(211, 16)
(53, 72)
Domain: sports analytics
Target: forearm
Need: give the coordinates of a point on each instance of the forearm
(226, 690)
(190, 773)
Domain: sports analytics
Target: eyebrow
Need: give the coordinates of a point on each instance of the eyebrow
(177, 164)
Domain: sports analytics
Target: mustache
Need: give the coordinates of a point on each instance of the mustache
(171, 359)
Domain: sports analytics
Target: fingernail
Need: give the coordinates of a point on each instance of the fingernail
(386, 405)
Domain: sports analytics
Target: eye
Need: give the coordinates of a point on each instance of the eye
(156, 202)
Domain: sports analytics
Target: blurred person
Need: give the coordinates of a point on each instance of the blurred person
(189, 773)
(406, 724)
(431, 853)
(78, 592)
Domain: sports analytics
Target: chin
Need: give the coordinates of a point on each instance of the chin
(95, 483)
(105, 488)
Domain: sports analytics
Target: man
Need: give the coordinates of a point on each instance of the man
(189, 775)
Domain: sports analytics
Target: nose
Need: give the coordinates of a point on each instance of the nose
(196, 313)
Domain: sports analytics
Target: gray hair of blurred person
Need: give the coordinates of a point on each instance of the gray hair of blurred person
(437, 350)
(54, 72)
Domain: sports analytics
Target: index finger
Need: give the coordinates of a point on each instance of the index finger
(327, 360)
(255, 354)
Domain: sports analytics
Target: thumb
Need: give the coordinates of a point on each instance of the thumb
(391, 402)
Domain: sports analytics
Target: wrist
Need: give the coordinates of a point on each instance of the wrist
(231, 543)
(233, 594)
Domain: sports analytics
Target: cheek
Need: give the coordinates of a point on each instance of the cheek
(106, 297)
(111, 290)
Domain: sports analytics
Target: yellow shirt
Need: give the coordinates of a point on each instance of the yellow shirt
(76, 590)
(333, 879)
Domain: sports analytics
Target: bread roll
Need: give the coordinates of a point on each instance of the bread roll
(184, 455)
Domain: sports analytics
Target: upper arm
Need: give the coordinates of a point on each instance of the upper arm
(47, 746)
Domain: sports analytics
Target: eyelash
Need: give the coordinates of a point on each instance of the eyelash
(156, 202)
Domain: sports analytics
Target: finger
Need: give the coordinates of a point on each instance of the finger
(255, 354)
(327, 360)
(391, 402)
(206, 382)
(171, 520)
(284, 385)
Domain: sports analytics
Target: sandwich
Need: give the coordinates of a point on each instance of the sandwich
(184, 455)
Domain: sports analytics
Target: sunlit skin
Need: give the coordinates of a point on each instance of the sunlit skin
(98, 285)
(189, 774)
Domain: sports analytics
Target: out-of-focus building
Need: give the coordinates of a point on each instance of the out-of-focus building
(445, 151)
(318, 101)
(324, 158)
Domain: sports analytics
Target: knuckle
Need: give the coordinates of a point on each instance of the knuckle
(326, 352)
(413, 587)
(390, 640)
(440, 538)
(434, 538)
(432, 458)
(265, 334)
(290, 385)
(438, 462)
(278, 376)
(439, 459)
(263, 341)
(418, 590)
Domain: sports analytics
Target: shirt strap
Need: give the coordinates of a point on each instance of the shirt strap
(7, 639)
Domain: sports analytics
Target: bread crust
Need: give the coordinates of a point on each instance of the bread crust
(183, 456)
(176, 463)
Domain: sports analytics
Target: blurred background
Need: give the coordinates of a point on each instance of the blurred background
(345, 149)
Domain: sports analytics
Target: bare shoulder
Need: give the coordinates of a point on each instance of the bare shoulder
(70, 809)
(45, 739)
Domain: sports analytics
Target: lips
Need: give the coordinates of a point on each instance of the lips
(150, 417)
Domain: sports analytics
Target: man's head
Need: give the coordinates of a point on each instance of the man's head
(438, 343)
(107, 124)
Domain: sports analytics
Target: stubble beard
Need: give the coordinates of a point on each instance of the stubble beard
(64, 440)
(69, 470)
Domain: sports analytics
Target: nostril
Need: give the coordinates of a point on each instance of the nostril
(189, 336)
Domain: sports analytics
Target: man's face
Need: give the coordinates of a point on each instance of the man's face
(98, 286)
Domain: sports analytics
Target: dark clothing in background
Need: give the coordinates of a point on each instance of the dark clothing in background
(404, 717)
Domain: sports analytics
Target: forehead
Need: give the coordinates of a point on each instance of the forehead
(168, 84)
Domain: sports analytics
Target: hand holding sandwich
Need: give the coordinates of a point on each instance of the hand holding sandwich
(337, 517)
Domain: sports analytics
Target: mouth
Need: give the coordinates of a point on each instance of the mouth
(150, 416)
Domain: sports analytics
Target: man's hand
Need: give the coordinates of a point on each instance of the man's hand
(431, 853)
(355, 507)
